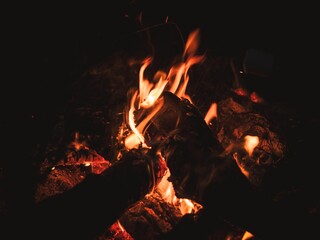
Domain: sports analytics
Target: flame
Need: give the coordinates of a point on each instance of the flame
(247, 235)
(186, 206)
(77, 144)
(136, 139)
(147, 91)
(250, 143)
(211, 114)
(242, 169)
(120, 226)
(149, 95)
(166, 190)
(118, 232)
(192, 43)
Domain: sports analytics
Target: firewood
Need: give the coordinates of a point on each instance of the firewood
(202, 172)
(89, 208)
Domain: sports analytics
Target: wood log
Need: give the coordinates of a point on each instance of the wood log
(199, 171)
(89, 208)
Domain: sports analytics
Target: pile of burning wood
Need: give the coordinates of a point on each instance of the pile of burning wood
(169, 170)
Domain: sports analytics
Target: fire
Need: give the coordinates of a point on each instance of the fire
(77, 144)
(120, 226)
(250, 143)
(136, 139)
(186, 206)
(247, 235)
(242, 169)
(165, 188)
(211, 114)
(149, 95)
(149, 92)
(241, 92)
(254, 97)
(118, 232)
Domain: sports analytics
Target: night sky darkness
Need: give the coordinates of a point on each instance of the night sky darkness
(49, 47)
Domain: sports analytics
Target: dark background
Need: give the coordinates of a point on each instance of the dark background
(49, 47)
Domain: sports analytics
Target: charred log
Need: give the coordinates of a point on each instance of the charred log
(88, 209)
(238, 119)
(178, 115)
(203, 226)
(213, 179)
(150, 218)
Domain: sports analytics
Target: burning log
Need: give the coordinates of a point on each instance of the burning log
(203, 226)
(236, 121)
(68, 172)
(177, 115)
(202, 171)
(150, 218)
(86, 210)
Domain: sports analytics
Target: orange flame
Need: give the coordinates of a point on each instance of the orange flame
(166, 190)
(77, 144)
(192, 43)
(242, 169)
(136, 139)
(211, 114)
(186, 206)
(247, 235)
(149, 94)
(250, 143)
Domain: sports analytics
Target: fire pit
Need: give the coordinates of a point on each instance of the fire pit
(219, 139)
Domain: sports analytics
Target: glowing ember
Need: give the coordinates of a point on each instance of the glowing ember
(241, 92)
(254, 97)
(250, 143)
(118, 232)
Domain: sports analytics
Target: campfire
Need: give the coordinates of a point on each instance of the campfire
(211, 146)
